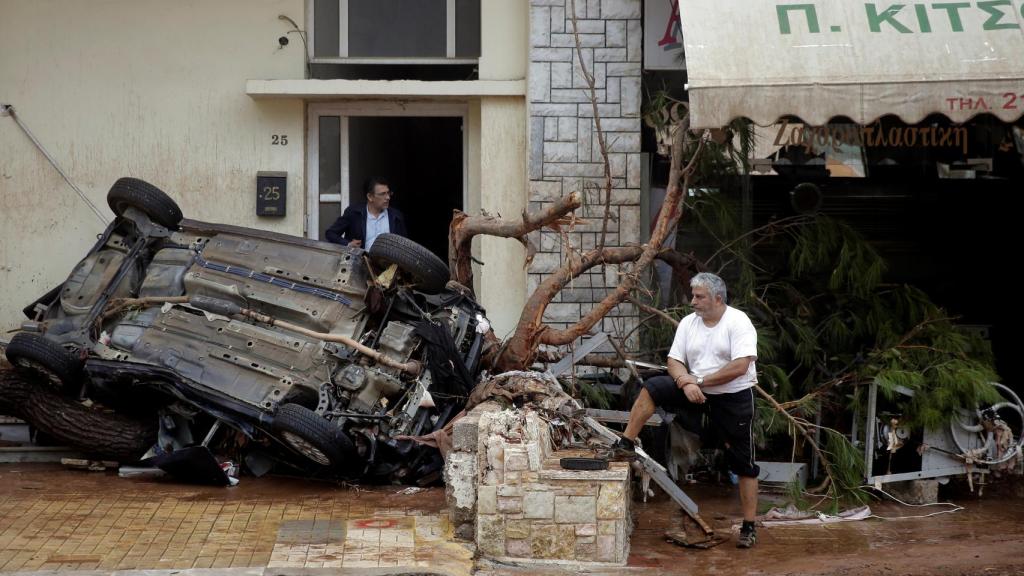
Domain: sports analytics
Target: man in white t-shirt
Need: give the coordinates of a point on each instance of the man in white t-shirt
(711, 367)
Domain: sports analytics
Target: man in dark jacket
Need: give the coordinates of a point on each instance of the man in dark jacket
(360, 225)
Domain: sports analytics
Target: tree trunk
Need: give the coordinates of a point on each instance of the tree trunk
(13, 391)
(90, 429)
(520, 350)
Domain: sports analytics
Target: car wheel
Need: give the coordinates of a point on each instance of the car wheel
(153, 202)
(427, 270)
(312, 436)
(38, 356)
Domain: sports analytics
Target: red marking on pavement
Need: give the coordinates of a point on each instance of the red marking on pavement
(374, 523)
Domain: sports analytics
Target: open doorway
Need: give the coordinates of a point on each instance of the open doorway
(421, 152)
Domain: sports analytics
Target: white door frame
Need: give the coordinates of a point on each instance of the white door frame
(367, 108)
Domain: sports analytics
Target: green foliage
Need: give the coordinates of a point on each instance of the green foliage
(944, 368)
(828, 314)
(939, 390)
(726, 153)
(828, 325)
(767, 423)
(847, 467)
(827, 322)
(590, 393)
(826, 248)
(657, 333)
(774, 379)
(796, 495)
(729, 156)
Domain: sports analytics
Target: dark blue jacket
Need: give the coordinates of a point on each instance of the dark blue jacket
(351, 225)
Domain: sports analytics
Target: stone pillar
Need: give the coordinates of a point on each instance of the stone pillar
(461, 474)
(523, 506)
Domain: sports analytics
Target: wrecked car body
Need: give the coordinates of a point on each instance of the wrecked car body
(326, 356)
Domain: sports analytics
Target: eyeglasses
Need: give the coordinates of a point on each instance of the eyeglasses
(389, 193)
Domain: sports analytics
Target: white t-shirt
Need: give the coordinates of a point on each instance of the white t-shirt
(706, 350)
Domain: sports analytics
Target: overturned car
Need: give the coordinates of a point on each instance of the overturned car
(323, 357)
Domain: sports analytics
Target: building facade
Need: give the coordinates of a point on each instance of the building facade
(471, 105)
(565, 155)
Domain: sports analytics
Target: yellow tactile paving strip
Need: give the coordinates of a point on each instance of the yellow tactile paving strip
(55, 519)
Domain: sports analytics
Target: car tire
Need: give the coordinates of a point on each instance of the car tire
(429, 273)
(312, 436)
(153, 202)
(36, 355)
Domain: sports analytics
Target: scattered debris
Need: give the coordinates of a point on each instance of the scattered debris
(694, 534)
(140, 472)
(793, 516)
(410, 491)
(195, 464)
(91, 465)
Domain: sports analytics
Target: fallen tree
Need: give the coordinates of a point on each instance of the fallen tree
(520, 350)
(87, 427)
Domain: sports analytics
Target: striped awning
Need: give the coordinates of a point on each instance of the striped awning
(861, 60)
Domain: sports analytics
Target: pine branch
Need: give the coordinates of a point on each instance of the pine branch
(802, 426)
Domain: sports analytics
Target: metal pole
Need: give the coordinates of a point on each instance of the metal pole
(869, 431)
(9, 109)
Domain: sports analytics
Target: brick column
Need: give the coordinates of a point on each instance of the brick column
(564, 153)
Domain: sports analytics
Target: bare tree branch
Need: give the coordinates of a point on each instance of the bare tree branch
(671, 211)
(465, 227)
(531, 330)
(624, 357)
(601, 140)
(654, 311)
(596, 360)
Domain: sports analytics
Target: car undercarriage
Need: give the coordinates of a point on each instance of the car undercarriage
(319, 357)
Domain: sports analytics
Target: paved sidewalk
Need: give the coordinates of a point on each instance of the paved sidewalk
(76, 523)
(57, 519)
